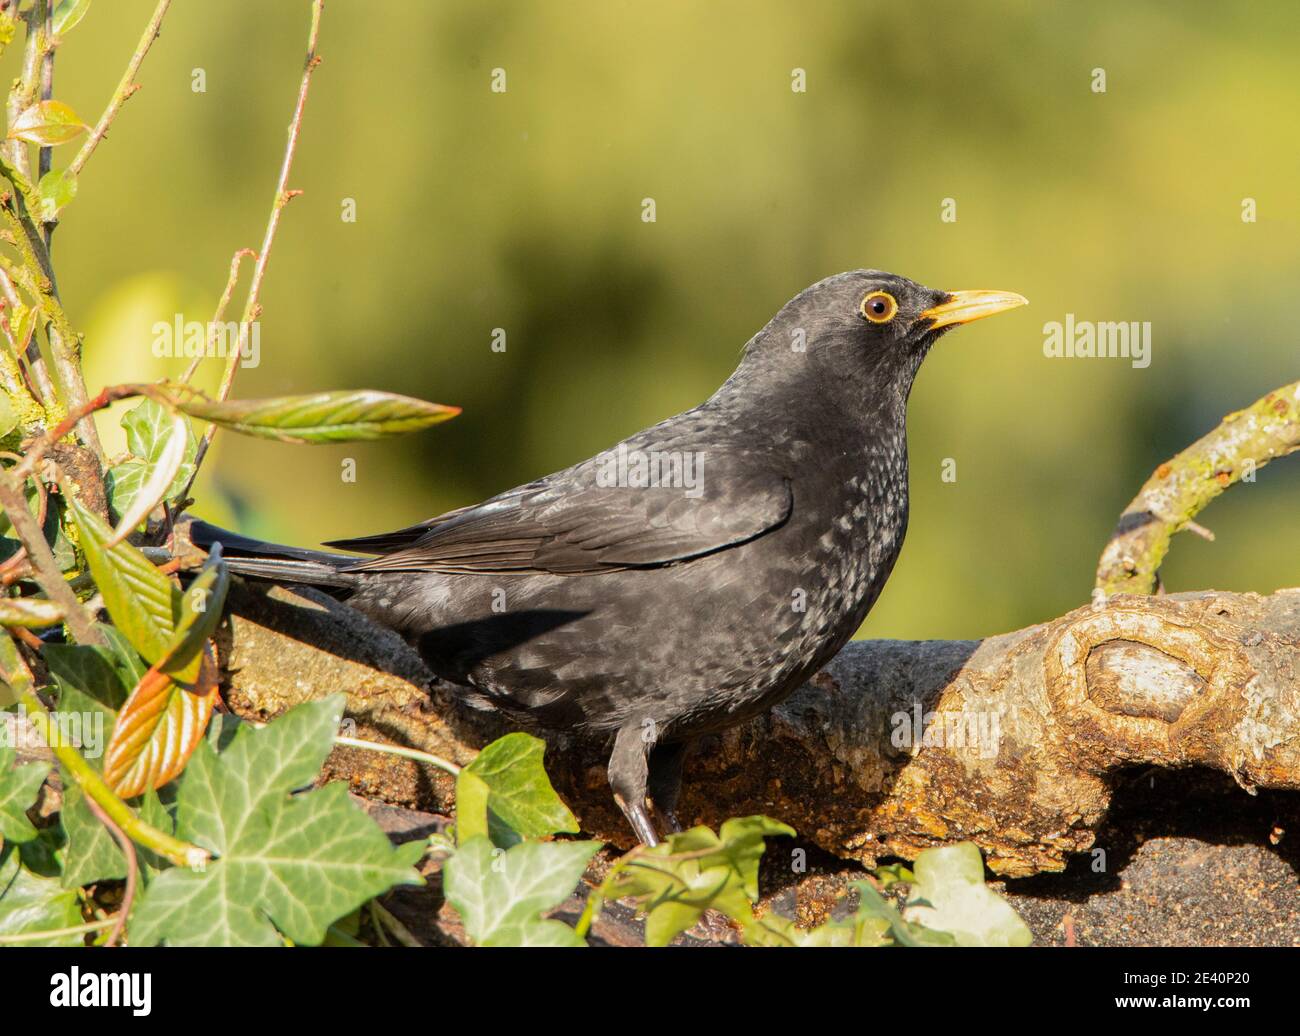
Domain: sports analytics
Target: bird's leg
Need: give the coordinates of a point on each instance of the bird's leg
(664, 785)
(627, 777)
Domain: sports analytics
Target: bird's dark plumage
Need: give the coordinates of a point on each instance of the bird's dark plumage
(697, 572)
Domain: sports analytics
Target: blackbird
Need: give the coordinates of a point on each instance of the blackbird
(691, 576)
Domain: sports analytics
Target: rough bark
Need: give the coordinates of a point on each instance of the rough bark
(1015, 742)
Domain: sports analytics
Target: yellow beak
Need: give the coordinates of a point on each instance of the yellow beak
(961, 307)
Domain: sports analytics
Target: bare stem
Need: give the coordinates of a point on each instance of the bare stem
(283, 196)
(125, 88)
(222, 305)
(132, 868)
(42, 558)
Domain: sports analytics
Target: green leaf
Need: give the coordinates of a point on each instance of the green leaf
(91, 853)
(67, 14)
(57, 188)
(33, 903)
(949, 895)
(18, 788)
(148, 429)
(347, 416)
(287, 865)
(29, 612)
(520, 793)
(139, 598)
(871, 904)
(201, 606)
(675, 882)
(471, 806)
(88, 669)
(47, 123)
(501, 894)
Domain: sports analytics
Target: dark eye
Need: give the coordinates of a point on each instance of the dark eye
(879, 307)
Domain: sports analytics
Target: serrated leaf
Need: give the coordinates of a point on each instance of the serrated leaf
(47, 123)
(675, 882)
(56, 189)
(67, 14)
(287, 865)
(29, 612)
(520, 793)
(158, 729)
(949, 895)
(501, 894)
(18, 788)
(140, 599)
(34, 903)
(346, 416)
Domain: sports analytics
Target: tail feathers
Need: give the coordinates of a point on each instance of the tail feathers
(274, 562)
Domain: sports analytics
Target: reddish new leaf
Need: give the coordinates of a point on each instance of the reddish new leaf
(158, 728)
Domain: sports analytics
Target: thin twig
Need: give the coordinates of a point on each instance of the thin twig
(132, 868)
(218, 316)
(125, 88)
(57, 933)
(283, 196)
(405, 753)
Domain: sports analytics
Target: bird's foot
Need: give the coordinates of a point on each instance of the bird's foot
(639, 819)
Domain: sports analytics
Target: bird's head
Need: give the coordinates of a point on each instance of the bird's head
(865, 330)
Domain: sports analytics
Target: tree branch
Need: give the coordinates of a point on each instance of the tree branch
(125, 88)
(1180, 488)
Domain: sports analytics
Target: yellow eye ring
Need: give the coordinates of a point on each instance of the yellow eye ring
(879, 307)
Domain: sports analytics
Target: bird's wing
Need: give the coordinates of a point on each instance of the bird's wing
(572, 524)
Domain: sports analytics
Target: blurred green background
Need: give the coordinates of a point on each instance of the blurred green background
(522, 210)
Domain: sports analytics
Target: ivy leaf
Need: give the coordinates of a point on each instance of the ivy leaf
(34, 903)
(67, 14)
(150, 429)
(57, 188)
(347, 416)
(871, 904)
(18, 788)
(501, 894)
(91, 853)
(949, 895)
(520, 795)
(47, 123)
(471, 806)
(288, 865)
(675, 882)
(140, 599)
